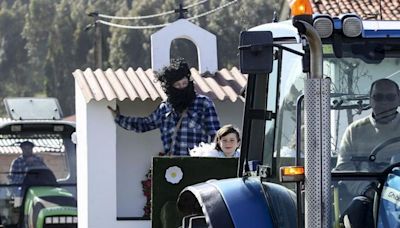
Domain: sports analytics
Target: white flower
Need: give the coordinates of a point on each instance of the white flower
(203, 150)
(174, 174)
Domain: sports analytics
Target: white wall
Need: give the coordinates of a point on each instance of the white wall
(96, 161)
(135, 151)
(205, 42)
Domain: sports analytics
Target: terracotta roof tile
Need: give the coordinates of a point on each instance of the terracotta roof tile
(366, 9)
(139, 84)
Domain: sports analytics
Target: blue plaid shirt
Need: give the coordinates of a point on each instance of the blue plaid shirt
(199, 124)
(20, 165)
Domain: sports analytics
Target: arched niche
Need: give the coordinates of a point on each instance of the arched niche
(205, 42)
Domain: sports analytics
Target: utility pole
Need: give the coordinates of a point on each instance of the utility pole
(98, 47)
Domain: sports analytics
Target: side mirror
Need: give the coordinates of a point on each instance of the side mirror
(256, 52)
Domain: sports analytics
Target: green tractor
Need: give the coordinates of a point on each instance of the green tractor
(37, 196)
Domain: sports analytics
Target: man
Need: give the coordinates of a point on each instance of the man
(184, 120)
(357, 143)
(24, 163)
(363, 135)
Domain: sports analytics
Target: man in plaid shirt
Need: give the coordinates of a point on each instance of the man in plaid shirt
(24, 163)
(185, 119)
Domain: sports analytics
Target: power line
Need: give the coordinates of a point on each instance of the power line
(130, 26)
(163, 25)
(138, 17)
(148, 16)
(212, 11)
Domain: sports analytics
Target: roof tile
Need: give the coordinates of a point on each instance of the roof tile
(139, 84)
(366, 9)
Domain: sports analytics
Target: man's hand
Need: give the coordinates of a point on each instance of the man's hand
(114, 112)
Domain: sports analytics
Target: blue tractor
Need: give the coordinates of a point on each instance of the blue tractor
(308, 80)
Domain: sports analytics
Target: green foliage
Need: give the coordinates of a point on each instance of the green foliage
(43, 41)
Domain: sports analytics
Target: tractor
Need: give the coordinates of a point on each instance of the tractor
(45, 196)
(308, 79)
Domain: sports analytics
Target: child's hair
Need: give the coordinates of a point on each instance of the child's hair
(223, 131)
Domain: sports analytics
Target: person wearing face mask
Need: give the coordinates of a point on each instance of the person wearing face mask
(363, 135)
(359, 139)
(25, 162)
(184, 119)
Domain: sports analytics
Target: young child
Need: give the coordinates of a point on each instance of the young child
(226, 144)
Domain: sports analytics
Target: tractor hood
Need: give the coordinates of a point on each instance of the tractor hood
(50, 205)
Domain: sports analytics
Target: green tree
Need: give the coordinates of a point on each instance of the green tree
(14, 68)
(129, 47)
(61, 47)
(43, 41)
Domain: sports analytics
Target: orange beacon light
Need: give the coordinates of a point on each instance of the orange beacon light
(301, 7)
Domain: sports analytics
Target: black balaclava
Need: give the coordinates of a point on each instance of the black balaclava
(180, 99)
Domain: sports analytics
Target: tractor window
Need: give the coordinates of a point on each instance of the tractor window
(351, 80)
(291, 87)
(54, 150)
(49, 148)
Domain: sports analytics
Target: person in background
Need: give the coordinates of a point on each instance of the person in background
(226, 144)
(363, 135)
(24, 162)
(185, 119)
(359, 139)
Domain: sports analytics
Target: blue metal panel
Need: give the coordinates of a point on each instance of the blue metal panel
(389, 213)
(246, 202)
(381, 29)
(337, 23)
(381, 33)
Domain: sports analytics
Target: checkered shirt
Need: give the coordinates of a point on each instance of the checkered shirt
(199, 124)
(19, 166)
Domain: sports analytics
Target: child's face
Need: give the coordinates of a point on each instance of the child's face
(229, 143)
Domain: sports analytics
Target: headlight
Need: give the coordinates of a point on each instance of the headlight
(324, 26)
(61, 220)
(352, 26)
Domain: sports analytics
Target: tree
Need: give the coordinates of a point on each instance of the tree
(131, 48)
(43, 41)
(14, 67)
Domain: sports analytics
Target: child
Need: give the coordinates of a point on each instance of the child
(226, 144)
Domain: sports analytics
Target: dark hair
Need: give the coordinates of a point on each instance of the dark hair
(174, 72)
(223, 131)
(26, 144)
(382, 81)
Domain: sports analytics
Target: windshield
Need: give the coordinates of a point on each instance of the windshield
(354, 132)
(51, 151)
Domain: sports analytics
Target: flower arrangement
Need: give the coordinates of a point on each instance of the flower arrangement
(146, 187)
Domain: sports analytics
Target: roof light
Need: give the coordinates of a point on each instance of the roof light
(324, 26)
(292, 173)
(301, 7)
(58, 128)
(16, 127)
(352, 26)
